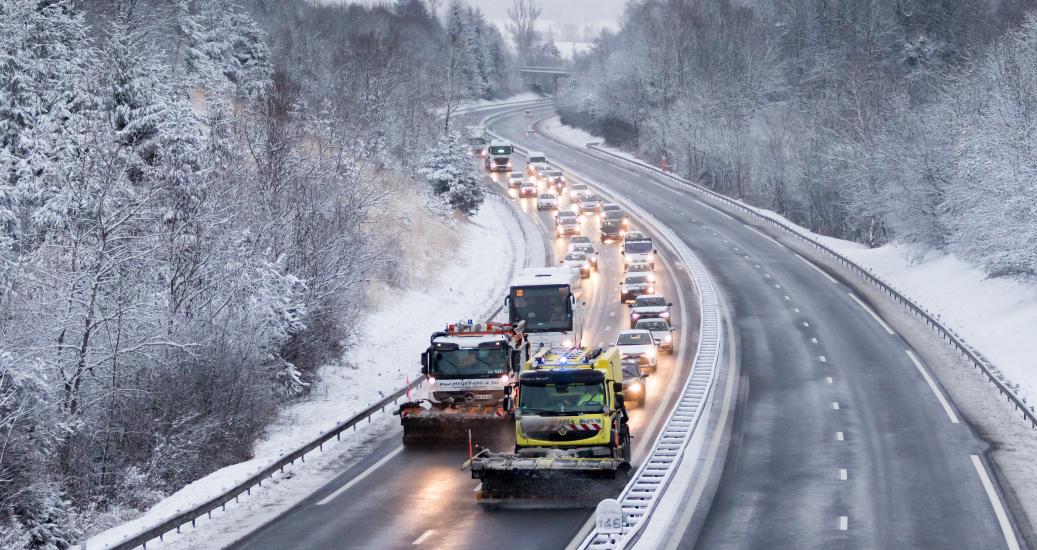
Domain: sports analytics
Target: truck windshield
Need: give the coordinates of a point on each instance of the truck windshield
(637, 247)
(500, 149)
(558, 399)
(470, 363)
(543, 308)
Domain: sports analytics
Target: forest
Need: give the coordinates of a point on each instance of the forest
(187, 196)
(869, 120)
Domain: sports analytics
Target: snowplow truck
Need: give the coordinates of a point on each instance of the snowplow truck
(467, 367)
(571, 432)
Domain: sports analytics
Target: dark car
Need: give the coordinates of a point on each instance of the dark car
(611, 231)
(635, 382)
(617, 215)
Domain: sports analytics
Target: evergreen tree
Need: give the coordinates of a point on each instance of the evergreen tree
(449, 170)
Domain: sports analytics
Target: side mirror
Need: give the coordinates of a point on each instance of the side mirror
(617, 386)
(507, 390)
(424, 362)
(670, 304)
(507, 300)
(424, 369)
(620, 403)
(507, 403)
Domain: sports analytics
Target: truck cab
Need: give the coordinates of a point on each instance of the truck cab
(498, 156)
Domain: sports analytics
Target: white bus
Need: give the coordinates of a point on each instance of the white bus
(548, 299)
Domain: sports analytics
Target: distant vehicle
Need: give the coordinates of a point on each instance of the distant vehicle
(586, 248)
(590, 204)
(617, 215)
(635, 382)
(611, 231)
(569, 225)
(577, 188)
(540, 173)
(547, 201)
(635, 285)
(580, 239)
(610, 207)
(641, 267)
(555, 177)
(565, 214)
(477, 140)
(576, 260)
(498, 157)
(529, 113)
(535, 159)
(661, 331)
(649, 306)
(528, 189)
(515, 180)
(638, 249)
(637, 345)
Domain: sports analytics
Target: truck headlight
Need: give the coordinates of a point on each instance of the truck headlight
(567, 343)
(635, 387)
(432, 380)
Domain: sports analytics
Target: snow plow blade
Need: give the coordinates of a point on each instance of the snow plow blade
(452, 426)
(546, 482)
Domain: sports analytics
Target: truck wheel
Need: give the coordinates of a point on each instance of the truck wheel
(624, 442)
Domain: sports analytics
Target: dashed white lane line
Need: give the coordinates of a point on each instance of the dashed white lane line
(806, 324)
(932, 385)
(829, 380)
(835, 405)
(844, 523)
(813, 340)
(392, 454)
(872, 313)
(787, 297)
(764, 235)
(423, 536)
(995, 501)
(796, 309)
(823, 359)
(843, 474)
(717, 210)
(839, 436)
(818, 269)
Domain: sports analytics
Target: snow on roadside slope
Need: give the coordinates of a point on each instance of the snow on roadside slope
(470, 281)
(998, 317)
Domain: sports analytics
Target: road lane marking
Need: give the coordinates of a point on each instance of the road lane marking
(932, 385)
(823, 359)
(813, 340)
(806, 324)
(829, 380)
(818, 269)
(872, 313)
(423, 536)
(835, 405)
(839, 436)
(717, 210)
(796, 309)
(995, 501)
(843, 474)
(844, 523)
(787, 297)
(392, 454)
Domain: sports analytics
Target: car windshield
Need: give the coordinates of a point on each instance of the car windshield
(543, 308)
(639, 268)
(634, 339)
(566, 214)
(653, 324)
(470, 363)
(576, 256)
(584, 247)
(579, 187)
(612, 207)
(636, 280)
(561, 399)
(637, 247)
(610, 224)
(547, 197)
(650, 302)
(580, 240)
(613, 215)
(630, 370)
(554, 174)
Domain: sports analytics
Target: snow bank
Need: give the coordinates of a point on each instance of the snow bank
(469, 282)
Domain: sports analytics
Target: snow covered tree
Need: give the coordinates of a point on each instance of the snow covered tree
(449, 170)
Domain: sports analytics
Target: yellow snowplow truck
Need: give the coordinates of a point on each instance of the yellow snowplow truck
(571, 433)
(470, 369)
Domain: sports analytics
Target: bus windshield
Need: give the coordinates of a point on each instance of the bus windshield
(559, 399)
(543, 308)
(470, 363)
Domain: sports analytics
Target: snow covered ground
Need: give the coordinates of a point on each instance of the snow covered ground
(998, 317)
(464, 270)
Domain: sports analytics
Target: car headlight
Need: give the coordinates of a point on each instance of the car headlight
(635, 315)
(651, 290)
(650, 353)
(635, 387)
(567, 343)
(664, 314)
(669, 338)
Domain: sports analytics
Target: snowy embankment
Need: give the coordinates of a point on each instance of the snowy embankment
(456, 271)
(998, 317)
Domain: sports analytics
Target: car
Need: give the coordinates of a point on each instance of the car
(610, 207)
(578, 261)
(638, 250)
(515, 179)
(540, 173)
(528, 189)
(639, 264)
(567, 226)
(661, 331)
(563, 214)
(547, 201)
(580, 239)
(611, 231)
(617, 215)
(577, 188)
(640, 267)
(529, 113)
(635, 382)
(586, 248)
(590, 204)
(638, 345)
(649, 306)
(634, 285)
(555, 177)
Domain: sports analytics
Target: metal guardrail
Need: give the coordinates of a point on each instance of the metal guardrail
(641, 494)
(947, 334)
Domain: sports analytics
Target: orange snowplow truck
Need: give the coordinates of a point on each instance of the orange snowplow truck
(467, 368)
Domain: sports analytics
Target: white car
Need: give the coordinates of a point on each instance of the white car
(637, 344)
(649, 306)
(547, 201)
(515, 179)
(578, 261)
(639, 265)
(661, 331)
(576, 189)
(584, 248)
(528, 189)
(567, 226)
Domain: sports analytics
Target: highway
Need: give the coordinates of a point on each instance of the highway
(410, 497)
(839, 439)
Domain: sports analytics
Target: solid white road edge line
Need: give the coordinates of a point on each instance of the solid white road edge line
(816, 268)
(392, 454)
(932, 385)
(844, 523)
(423, 536)
(871, 312)
(995, 501)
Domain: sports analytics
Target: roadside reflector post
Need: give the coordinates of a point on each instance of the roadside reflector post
(608, 521)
